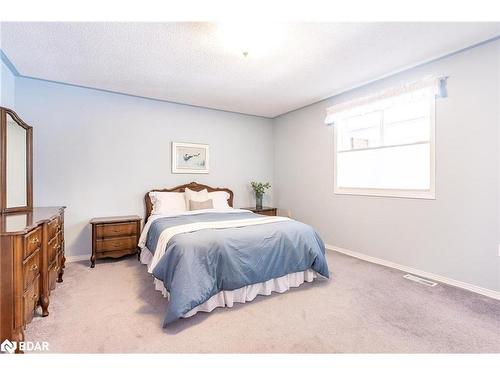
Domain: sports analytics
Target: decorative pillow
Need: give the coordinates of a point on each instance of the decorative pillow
(198, 196)
(220, 199)
(167, 202)
(195, 205)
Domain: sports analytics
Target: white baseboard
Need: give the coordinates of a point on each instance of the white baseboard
(77, 258)
(442, 279)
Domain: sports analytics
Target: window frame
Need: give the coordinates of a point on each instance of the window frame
(394, 193)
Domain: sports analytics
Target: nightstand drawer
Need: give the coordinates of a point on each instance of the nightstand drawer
(271, 212)
(33, 241)
(268, 211)
(116, 230)
(119, 243)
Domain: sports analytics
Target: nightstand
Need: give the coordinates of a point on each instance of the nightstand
(114, 237)
(269, 211)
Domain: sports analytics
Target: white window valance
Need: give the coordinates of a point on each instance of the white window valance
(430, 85)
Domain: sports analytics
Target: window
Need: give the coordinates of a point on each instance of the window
(384, 145)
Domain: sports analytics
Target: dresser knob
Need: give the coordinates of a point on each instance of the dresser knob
(34, 267)
(35, 297)
(35, 240)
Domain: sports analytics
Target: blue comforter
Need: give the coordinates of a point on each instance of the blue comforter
(200, 264)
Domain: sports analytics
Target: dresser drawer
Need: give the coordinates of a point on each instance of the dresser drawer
(116, 230)
(31, 268)
(54, 247)
(30, 300)
(53, 271)
(60, 249)
(60, 255)
(54, 226)
(32, 242)
(113, 244)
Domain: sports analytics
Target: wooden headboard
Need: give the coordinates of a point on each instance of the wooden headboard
(180, 189)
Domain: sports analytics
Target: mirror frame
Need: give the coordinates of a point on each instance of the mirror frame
(3, 162)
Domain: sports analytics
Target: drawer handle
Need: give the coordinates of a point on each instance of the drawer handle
(34, 267)
(35, 240)
(35, 297)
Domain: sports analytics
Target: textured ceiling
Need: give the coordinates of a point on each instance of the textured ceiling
(190, 63)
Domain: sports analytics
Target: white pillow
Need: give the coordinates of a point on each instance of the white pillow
(219, 199)
(167, 202)
(196, 196)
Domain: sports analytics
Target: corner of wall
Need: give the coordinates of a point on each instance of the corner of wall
(275, 191)
(498, 162)
(8, 78)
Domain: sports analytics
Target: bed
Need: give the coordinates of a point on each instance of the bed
(214, 257)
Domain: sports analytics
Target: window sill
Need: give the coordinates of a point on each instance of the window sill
(388, 193)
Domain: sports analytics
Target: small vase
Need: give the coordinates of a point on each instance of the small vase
(258, 201)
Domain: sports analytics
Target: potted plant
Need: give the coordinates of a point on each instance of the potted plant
(259, 188)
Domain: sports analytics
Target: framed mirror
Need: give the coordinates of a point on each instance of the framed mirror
(16, 163)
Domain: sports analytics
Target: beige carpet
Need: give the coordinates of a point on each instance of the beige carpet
(363, 308)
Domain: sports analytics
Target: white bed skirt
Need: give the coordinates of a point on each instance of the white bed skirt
(227, 298)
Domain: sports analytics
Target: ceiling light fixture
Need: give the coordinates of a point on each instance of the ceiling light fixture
(250, 39)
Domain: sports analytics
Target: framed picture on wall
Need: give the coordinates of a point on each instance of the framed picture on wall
(190, 158)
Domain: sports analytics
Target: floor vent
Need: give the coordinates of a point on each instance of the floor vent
(419, 280)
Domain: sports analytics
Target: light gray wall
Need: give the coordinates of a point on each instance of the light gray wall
(85, 138)
(455, 235)
(7, 86)
(98, 153)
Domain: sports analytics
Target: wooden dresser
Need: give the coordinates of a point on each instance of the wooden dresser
(114, 237)
(31, 261)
